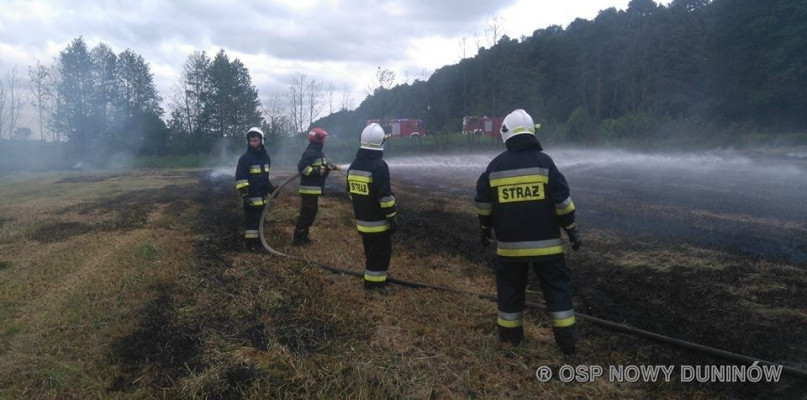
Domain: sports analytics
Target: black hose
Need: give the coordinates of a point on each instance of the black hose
(609, 324)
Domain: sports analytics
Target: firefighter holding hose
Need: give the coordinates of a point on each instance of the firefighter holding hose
(525, 201)
(368, 184)
(314, 168)
(252, 181)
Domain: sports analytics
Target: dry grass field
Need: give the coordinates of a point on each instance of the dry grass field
(136, 284)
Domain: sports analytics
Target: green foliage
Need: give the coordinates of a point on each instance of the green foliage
(149, 252)
(579, 127)
(626, 72)
(628, 126)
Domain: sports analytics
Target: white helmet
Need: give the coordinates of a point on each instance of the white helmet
(516, 123)
(373, 137)
(253, 130)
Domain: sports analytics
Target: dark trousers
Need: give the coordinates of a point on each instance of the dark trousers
(556, 285)
(377, 254)
(309, 205)
(252, 217)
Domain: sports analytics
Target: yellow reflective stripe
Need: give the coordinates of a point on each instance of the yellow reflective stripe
(254, 169)
(570, 226)
(539, 251)
(307, 170)
(359, 178)
(484, 211)
(523, 129)
(373, 276)
(565, 210)
(372, 229)
(310, 191)
(509, 323)
(390, 215)
(255, 201)
(251, 234)
(513, 180)
(372, 226)
(387, 204)
(241, 184)
(562, 323)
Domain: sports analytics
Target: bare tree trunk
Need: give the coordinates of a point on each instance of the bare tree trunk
(13, 86)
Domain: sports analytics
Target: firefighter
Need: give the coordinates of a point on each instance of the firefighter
(252, 181)
(368, 184)
(524, 200)
(314, 168)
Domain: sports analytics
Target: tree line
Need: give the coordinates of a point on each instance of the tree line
(99, 104)
(691, 67)
(694, 66)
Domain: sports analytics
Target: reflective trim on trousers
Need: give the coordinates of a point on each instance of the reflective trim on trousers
(310, 190)
(251, 234)
(375, 276)
(372, 226)
(562, 319)
(510, 320)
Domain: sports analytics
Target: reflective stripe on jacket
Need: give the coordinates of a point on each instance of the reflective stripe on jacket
(313, 170)
(368, 184)
(525, 199)
(252, 172)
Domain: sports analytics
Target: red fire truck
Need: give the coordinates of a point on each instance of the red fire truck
(402, 127)
(483, 126)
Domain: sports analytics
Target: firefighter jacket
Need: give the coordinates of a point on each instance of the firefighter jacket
(313, 169)
(252, 174)
(525, 199)
(368, 184)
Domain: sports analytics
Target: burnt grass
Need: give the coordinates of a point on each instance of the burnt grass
(122, 212)
(167, 347)
(698, 305)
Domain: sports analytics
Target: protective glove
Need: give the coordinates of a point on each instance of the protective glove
(393, 225)
(332, 167)
(574, 237)
(484, 237)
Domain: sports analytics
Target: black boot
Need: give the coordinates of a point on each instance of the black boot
(566, 338)
(511, 335)
(253, 244)
(300, 237)
(375, 286)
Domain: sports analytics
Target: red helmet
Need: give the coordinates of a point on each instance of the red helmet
(317, 135)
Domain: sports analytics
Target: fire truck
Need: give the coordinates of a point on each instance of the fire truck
(482, 126)
(402, 127)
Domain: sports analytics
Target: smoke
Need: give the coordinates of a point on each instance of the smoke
(724, 168)
(225, 161)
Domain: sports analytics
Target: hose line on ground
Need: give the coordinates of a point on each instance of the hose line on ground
(599, 321)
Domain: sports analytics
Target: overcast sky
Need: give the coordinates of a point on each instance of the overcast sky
(335, 42)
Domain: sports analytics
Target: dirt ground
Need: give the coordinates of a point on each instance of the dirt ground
(186, 311)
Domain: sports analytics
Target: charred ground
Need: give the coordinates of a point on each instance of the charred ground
(196, 315)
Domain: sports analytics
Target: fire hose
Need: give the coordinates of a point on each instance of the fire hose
(793, 371)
